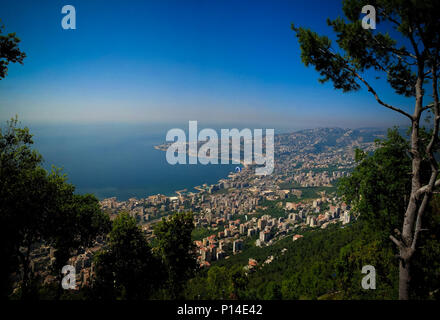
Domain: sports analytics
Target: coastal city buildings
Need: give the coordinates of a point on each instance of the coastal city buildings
(243, 209)
(307, 165)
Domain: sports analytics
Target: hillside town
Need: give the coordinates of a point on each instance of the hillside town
(244, 210)
(300, 194)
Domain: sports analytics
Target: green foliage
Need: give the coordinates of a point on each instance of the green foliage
(9, 51)
(378, 187)
(38, 207)
(304, 271)
(273, 292)
(313, 267)
(410, 64)
(377, 190)
(218, 283)
(327, 264)
(425, 278)
(366, 251)
(316, 51)
(360, 49)
(199, 233)
(272, 208)
(175, 247)
(127, 269)
(239, 282)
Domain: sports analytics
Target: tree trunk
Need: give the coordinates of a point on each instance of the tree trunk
(404, 278)
(406, 248)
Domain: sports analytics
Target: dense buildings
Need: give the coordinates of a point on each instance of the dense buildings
(298, 195)
(244, 209)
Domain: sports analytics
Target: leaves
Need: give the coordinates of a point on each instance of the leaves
(177, 250)
(316, 51)
(39, 207)
(127, 269)
(9, 52)
(359, 49)
(378, 186)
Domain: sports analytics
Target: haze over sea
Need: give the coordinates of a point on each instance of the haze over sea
(119, 159)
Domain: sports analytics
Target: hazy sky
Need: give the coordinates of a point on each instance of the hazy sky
(216, 61)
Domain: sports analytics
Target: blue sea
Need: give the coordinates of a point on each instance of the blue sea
(119, 160)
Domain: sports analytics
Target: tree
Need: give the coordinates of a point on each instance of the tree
(239, 281)
(377, 188)
(37, 207)
(17, 161)
(367, 250)
(273, 291)
(175, 247)
(127, 269)
(378, 191)
(411, 65)
(9, 51)
(218, 283)
(76, 223)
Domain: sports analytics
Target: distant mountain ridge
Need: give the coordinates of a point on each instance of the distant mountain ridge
(321, 139)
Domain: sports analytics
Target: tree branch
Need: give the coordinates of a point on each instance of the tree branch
(398, 243)
(430, 151)
(398, 53)
(420, 212)
(370, 89)
(427, 188)
(427, 107)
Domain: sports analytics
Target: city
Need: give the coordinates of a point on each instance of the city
(263, 209)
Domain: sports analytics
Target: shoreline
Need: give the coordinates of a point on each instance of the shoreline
(186, 190)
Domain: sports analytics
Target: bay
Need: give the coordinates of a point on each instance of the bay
(119, 159)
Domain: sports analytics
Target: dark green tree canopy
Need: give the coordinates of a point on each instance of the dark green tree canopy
(378, 191)
(9, 51)
(405, 48)
(360, 49)
(127, 269)
(39, 207)
(175, 247)
(378, 187)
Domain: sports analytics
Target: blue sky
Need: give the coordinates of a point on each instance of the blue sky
(216, 61)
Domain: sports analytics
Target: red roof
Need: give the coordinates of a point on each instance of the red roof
(198, 243)
(253, 262)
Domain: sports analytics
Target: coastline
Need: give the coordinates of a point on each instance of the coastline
(187, 190)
